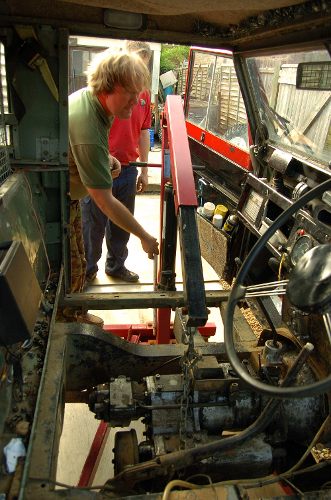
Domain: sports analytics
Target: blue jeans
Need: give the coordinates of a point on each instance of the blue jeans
(96, 225)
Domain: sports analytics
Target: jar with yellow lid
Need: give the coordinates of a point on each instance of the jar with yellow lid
(221, 210)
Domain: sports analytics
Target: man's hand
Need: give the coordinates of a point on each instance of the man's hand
(150, 245)
(142, 181)
(115, 167)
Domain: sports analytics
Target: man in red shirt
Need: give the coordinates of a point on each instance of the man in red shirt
(128, 140)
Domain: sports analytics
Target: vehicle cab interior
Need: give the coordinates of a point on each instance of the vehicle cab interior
(246, 186)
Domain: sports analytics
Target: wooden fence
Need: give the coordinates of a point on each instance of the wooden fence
(307, 111)
(225, 79)
(231, 108)
(225, 94)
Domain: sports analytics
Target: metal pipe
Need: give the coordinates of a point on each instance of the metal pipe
(267, 285)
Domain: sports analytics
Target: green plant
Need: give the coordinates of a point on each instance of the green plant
(172, 56)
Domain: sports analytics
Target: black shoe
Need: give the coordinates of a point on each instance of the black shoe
(90, 277)
(123, 274)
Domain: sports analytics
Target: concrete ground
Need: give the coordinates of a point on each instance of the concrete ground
(154, 173)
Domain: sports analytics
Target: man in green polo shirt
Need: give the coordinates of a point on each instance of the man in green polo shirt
(115, 81)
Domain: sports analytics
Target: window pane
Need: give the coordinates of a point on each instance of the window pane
(227, 115)
(215, 100)
(199, 90)
(297, 119)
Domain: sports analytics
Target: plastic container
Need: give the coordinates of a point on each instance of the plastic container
(230, 223)
(168, 90)
(208, 209)
(151, 138)
(277, 239)
(14, 449)
(218, 220)
(221, 210)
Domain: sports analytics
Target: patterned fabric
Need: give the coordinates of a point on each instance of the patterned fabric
(78, 263)
(77, 253)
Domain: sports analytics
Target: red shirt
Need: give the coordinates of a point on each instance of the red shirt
(124, 134)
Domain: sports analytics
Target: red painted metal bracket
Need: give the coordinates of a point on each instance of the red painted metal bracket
(182, 178)
(143, 333)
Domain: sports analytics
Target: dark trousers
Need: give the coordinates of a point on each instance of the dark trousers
(96, 225)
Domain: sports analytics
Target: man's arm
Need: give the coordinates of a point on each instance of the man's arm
(143, 147)
(121, 216)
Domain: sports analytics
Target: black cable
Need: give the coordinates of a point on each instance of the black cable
(163, 364)
(237, 293)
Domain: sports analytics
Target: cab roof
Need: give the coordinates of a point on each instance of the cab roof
(234, 24)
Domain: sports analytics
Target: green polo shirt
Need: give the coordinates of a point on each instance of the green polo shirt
(89, 127)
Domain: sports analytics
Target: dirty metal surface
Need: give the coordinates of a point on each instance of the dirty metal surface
(81, 356)
(93, 356)
(137, 300)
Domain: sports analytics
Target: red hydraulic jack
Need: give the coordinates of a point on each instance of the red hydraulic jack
(178, 207)
(177, 212)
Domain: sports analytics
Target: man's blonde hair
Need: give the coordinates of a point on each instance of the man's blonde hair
(141, 48)
(122, 68)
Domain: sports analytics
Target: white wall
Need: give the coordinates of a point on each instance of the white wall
(111, 42)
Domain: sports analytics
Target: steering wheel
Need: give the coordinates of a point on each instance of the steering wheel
(319, 299)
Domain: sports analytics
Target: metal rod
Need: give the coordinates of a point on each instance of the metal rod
(267, 285)
(140, 283)
(139, 300)
(261, 290)
(298, 363)
(266, 293)
(327, 323)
